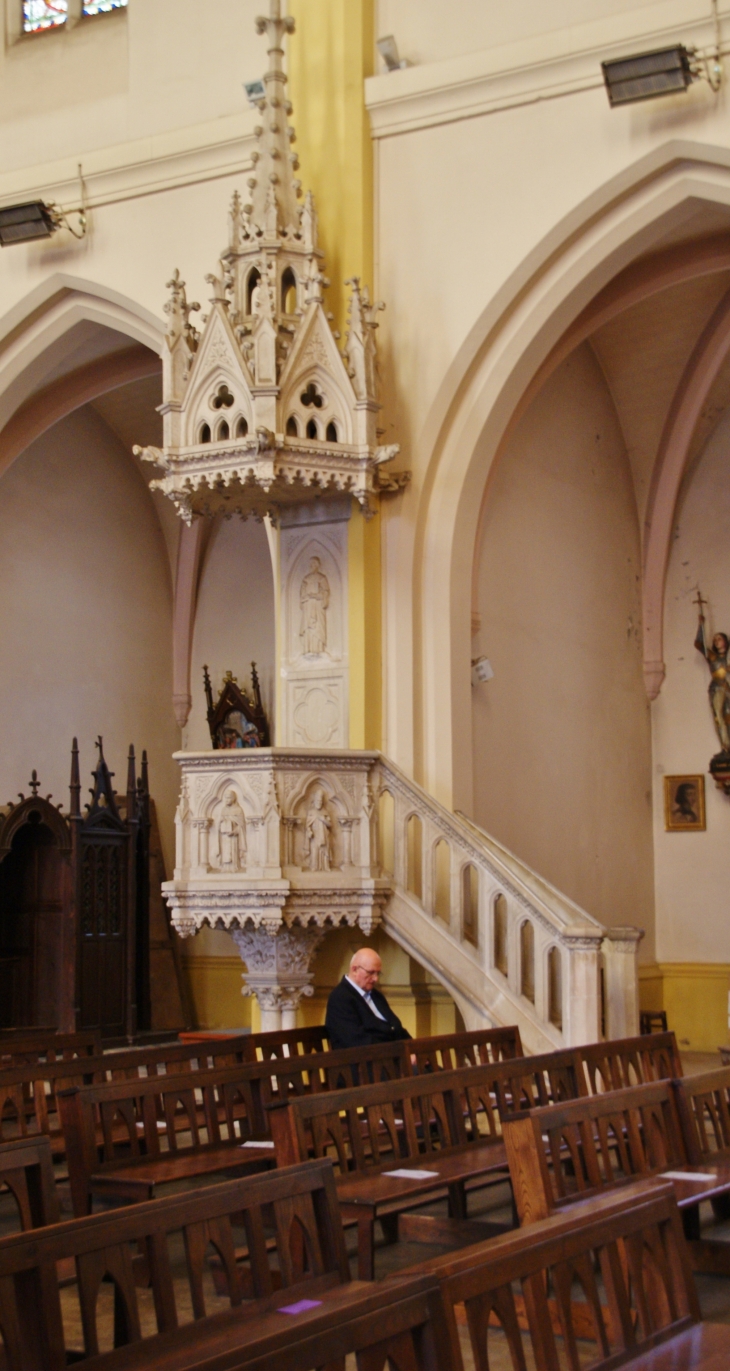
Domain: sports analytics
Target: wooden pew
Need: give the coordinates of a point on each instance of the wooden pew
(27, 1092)
(450, 1051)
(562, 1153)
(157, 1130)
(26, 1170)
(37, 1088)
(416, 1124)
(644, 1314)
(48, 1047)
(283, 1042)
(361, 1130)
(398, 1324)
(703, 1102)
(136, 1122)
(288, 1223)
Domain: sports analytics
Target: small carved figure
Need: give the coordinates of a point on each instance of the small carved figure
(231, 834)
(314, 598)
(317, 827)
(716, 657)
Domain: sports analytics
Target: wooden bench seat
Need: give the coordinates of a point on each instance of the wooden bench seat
(568, 1151)
(624, 1250)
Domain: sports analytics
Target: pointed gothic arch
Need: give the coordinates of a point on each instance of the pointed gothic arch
(476, 405)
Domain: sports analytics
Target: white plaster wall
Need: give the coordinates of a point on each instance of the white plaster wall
(561, 734)
(431, 31)
(464, 201)
(692, 903)
(85, 617)
(235, 619)
(159, 65)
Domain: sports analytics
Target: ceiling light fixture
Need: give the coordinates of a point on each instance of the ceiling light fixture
(664, 71)
(648, 75)
(35, 219)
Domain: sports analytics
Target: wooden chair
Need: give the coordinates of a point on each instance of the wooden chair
(626, 1255)
(289, 1235)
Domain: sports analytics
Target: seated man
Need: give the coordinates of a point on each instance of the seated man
(358, 1014)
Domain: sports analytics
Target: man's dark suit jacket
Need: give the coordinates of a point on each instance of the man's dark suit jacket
(350, 1021)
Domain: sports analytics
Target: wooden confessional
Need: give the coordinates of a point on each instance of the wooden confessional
(75, 907)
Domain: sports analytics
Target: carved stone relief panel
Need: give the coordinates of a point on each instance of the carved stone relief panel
(314, 666)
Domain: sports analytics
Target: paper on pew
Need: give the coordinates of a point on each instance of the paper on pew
(405, 1174)
(263, 1143)
(689, 1175)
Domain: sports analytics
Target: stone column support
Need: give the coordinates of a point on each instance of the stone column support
(621, 981)
(582, 1000)
(278, 969)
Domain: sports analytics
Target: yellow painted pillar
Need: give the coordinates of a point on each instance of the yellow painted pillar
(328, 59)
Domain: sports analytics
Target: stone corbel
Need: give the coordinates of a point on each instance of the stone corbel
(278, 969)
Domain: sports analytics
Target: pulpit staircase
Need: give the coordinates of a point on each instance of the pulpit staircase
(507, 945)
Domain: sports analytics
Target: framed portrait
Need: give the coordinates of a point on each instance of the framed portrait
(684, 804)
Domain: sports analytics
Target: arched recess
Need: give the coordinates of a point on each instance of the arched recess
(481, 393)
(700, 372)
(31, 339)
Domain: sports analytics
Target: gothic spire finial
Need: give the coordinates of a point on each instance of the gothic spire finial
(273, 188)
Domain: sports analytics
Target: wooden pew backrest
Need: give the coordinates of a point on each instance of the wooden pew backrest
(567, 1151)
(450, 1051)
(704, 1110)
(26, 1168)
(289, 1042)
(632, 1238)
(50, 1047)
(616, 1064)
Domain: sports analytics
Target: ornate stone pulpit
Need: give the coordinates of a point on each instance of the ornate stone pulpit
(265, 415)
(276, 846)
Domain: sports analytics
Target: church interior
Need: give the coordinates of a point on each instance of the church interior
(364, 495)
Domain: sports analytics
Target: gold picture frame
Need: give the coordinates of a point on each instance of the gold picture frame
(684, 804)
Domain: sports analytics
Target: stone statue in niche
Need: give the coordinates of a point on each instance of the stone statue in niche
(317, 834)
(314, 598)
(231, 834)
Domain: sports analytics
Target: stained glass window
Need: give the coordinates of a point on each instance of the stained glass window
(43, 14)
(101, 6)
(49, 14)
